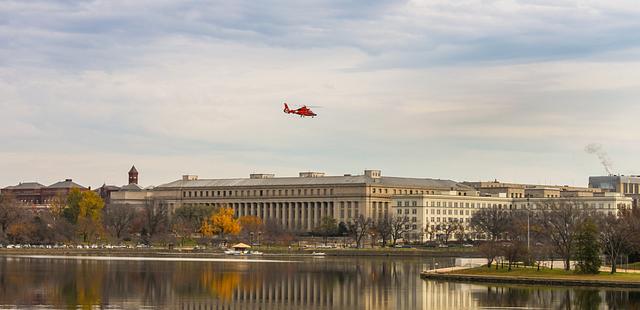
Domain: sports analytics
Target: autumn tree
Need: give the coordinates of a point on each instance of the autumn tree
(221, 223)
(358, 229)
(192, 216)
(89, 216)
(118, 219)
(328, 227)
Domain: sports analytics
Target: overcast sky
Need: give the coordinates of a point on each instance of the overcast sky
(462, 90)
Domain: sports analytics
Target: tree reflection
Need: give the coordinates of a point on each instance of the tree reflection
(341, 283)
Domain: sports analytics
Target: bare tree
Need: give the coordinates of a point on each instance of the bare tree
(491, 221)
(383, 229)
(359, 228)
(561, 220)
(399, 226)
(616, 235)
(153, 220)
(118, 219)
(447, 229)
(9, 213)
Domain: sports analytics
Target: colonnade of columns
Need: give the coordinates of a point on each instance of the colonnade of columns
(302, 215)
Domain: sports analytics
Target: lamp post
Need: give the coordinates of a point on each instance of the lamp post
(528, 226)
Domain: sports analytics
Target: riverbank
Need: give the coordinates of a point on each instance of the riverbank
(532, 276)
(268, 251)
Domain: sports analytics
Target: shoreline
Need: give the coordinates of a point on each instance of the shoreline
(454, 276)
(163, 252)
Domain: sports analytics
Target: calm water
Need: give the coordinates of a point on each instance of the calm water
(304, 283)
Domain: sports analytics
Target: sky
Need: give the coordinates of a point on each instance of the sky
(464, 90)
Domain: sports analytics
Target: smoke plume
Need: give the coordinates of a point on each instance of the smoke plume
(595, 148)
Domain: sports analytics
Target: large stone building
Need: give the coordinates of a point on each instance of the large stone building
(297, 203)
(448, 214)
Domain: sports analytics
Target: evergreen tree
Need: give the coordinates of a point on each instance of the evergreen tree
(588, 248)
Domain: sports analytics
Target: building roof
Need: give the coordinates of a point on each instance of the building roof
(131, 187)
(68, 183)
(25, 186)
(108, 187)
(133, 169)
(325, 180)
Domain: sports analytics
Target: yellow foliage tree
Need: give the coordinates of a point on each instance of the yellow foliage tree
(221, 223)
(89, 221)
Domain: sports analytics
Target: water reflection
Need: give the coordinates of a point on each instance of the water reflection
(331, 283)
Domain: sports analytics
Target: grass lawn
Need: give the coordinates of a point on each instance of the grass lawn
(549, 274)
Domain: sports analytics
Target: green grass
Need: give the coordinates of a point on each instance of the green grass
(546, 273)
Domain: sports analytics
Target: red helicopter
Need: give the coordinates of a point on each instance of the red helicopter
(304, 111)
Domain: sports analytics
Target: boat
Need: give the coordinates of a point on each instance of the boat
(318, 254)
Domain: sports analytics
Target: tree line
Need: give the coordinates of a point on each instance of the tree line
(567, 230)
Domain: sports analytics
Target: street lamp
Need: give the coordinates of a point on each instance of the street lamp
(528, 226)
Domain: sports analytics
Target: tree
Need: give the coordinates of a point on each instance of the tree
(491, 221)
(221, 223)
(118, 219)
(383, 229)
(398, 226)
(9, 213)
(587, 248)
(560, 221)
(328, 227)
(513, 251)
(153, 221)
(251, 226)
(72, 208)
(490, 251)
(89, 215)
(358, 229)
(193, 216)
(447, 229)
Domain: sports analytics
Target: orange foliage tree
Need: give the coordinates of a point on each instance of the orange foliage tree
(221, 223)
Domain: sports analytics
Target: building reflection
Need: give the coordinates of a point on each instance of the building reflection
(349, 283)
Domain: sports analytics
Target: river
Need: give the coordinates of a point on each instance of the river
(271, 283)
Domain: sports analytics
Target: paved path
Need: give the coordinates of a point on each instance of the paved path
(445, 270)
(450, 269)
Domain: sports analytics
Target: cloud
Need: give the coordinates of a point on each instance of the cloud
(412, 87)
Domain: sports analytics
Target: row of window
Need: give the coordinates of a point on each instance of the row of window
(259, 193)
(450, 204)
(402, 191)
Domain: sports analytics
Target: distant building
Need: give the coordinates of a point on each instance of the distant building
(133, 175)
(626, 185)
(27, 193)
(105, 191)
(33, 193)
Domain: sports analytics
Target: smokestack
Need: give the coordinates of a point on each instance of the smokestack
(596, 148)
